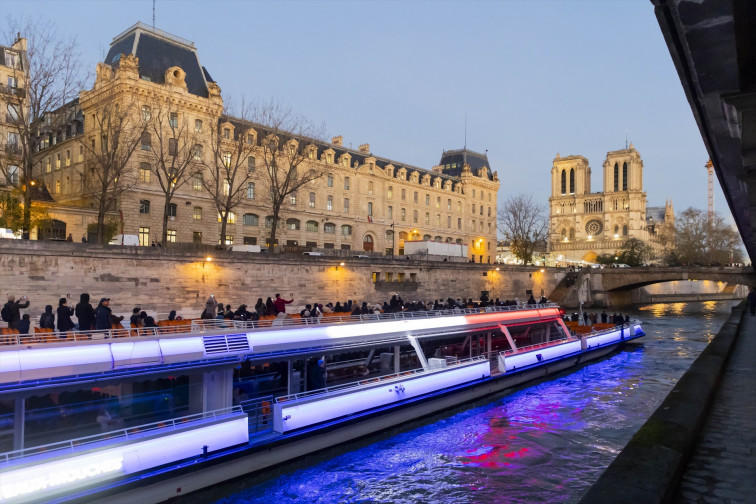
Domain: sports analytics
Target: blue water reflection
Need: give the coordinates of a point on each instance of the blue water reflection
(543, 443)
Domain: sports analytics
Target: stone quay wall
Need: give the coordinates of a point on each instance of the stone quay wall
(159, 280)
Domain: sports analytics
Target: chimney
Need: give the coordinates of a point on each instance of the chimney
(338, 140)
(365, 148)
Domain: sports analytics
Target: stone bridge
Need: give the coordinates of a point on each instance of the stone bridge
(612, 286)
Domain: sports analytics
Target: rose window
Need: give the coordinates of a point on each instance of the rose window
(594, 227)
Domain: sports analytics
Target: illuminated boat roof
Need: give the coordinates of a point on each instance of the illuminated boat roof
(209, 343)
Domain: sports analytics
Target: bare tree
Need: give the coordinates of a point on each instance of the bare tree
(118, 128)
(701, 241)
(175, 153)
(287, 144)
(46, 74)
(525, 224)
(229, 165)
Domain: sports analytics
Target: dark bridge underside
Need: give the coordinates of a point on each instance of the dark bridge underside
(713, 46)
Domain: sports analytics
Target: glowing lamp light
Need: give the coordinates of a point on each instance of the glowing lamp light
(497, 269)
(208, 258)
(616, 236)
(33, 183)
(542, 270)
(590, 237)
(341, 264)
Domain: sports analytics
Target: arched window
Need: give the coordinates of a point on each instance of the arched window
(459, 240)
(427, 237)
(624, 176)
(564, 233)
(389, 235)
(402, 235)
(251, 219)
(564, 182)
(311, 226)
(438, 239)
(616, 229)
(572, 180)
(292, 224)
(346, 230)
(448, 239)
(329, 228)
(572, 233)
(616, 177)
(624, 230)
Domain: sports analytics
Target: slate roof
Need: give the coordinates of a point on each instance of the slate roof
(157, 52)
(459, 157)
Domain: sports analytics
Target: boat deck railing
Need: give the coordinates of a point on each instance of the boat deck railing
(218, 326)
(120, 434)
(337, 389)
(543, 344)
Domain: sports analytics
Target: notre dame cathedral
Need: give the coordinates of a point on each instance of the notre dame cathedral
(584, 224)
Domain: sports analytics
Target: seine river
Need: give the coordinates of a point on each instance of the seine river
(547, 442)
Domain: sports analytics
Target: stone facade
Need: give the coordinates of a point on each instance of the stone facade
(584, 224)
(159, 280)
(361, 202)
(13, 63)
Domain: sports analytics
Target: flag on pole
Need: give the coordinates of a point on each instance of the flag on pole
(370, 219)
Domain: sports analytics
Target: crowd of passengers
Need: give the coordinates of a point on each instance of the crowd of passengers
(101, 317)
(214, 309)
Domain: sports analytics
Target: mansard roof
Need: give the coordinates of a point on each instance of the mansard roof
(356, 156)
(157, 52)
(452, 162)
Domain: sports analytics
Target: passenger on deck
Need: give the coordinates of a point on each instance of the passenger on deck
(280, 303)
(47, 319)
(531, 300)
(85, 313)
(270, 308)
(13, 308)
(211, 307)
(64, 316)
(102, 315)
(24, 324)
(148, 321)
(260, 308)
(604, 317)
(136, 319)
(172, 316)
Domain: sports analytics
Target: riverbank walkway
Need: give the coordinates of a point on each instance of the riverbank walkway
(699, 446)
(722, 467)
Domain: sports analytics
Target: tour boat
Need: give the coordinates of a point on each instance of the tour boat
(145, 415)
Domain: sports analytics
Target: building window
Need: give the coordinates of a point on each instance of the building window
(572, 181)
(427, 219)
(226, 133)
(415, 217)
(416, 197)
(438, 202)
(226, 187)
(346, 230)
(57, 162)
(312, 200)
(171, 238)
(404, 195)
(269, 221)
(251, 141)
(172, 209)
(197, 213)
(198, 125)
(144, 206)
(346, 205)
(173, 120)
(292, 224)
(616, 177)
(448, 221)
(459, 206)
(329, 228)
(427, 199)
(250, 190)
(311, 226)
(68, 157)
(438, 220)
(293, 198)
(172, 147)
(329, 178)
(197, 152)
(227, 159)
(370, 188)
(144, 173)
(459, 223)
(229, 239)
(146, 113)
(624, 176)
(390, 212)
(197, 182)
(251, 164)
(370, 209)
(57, 187)
(448, 204)
(13, 174)
(251, 219)
(403, 214)
(480, 210)
(146, 142)
(48, 165)
(197, 237)
(346, 183)
(624, 230)
(329, 203)
(144, 236)
(231, 218)
(390, 192)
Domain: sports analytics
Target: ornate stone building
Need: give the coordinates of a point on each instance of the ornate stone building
(13, 64)
(584, 224)
(361, 202)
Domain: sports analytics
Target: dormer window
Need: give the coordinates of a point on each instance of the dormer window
(198, 125)
(226, 133)
(146, 113)
(11, 59)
